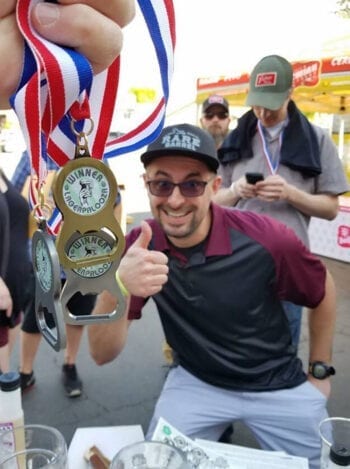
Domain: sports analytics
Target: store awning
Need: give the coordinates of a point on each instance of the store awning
(319, 86)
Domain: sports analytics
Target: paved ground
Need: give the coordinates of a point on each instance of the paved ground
(124, 392)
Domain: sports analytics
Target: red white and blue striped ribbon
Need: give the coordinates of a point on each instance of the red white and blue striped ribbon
(160, 19)
(57, 84)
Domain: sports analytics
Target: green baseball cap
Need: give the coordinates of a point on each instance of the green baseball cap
(270, 82)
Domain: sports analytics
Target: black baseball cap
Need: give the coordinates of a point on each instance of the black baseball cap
(183, 140)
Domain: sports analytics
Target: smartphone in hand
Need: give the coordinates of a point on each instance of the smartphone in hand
(253, 178)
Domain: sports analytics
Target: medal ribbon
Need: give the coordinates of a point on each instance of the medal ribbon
(273, 165)
(57, 85)
(160, 19)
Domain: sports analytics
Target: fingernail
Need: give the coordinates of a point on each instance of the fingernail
(46, 13)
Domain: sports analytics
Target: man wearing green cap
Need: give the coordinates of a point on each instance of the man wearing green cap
(297, 162)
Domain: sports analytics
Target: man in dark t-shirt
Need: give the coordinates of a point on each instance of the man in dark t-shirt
(218, 277)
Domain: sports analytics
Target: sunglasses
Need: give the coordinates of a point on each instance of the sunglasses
(220, 115)
(164, 188)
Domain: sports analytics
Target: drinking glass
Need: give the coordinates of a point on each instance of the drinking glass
(149, 455)
(33, 447)
(334, 431)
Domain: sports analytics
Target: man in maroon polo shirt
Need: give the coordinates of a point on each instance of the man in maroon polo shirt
(218, 277)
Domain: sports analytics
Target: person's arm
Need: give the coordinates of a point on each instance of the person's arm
(315, 205)
(92, 27)
(276, 187)
(106, 303)
(239, 189)
(107, 340)
(321, 332)
(143, 273)
(226, 196)
(230, 195)
(5, 298)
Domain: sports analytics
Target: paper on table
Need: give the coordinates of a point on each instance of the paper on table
(108, 439)
(197, 457)
(204, 454)
(254, 458)
(237, 449)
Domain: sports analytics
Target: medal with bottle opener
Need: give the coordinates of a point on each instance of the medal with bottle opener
(88, 246)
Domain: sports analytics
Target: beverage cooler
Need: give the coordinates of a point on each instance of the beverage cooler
(332, 238)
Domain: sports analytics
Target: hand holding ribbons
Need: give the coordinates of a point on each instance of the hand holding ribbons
(92, 27)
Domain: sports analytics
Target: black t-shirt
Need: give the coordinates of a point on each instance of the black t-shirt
(4, 235)
(18, 263)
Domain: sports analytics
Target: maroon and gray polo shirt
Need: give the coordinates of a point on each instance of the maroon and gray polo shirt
(221, 307)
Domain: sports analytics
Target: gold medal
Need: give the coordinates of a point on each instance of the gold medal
(91, 242)
(85, 191)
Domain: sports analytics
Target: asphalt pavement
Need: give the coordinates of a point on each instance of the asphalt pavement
(124, 392)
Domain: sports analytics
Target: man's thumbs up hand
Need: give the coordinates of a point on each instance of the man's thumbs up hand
(141, 271)
(145, 236)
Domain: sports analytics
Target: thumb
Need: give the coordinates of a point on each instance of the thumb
(145, 236)
(9, 311)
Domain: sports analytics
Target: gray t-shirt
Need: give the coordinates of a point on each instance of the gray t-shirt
(332, 180)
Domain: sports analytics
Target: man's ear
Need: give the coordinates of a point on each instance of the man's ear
(144, 177)
(217, 183)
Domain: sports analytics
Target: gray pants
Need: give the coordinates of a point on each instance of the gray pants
(285, 420)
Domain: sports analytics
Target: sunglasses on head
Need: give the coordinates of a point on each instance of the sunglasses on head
(219, 114)
(164, 188)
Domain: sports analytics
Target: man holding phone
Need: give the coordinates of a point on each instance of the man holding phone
(300, 172)
(253, 178)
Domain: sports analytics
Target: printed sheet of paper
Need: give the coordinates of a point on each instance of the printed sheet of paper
(203, 454)
(254, 458)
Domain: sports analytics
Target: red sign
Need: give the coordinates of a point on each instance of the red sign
(306, 73)
(266, 79)
(222, 82)
(344, 236)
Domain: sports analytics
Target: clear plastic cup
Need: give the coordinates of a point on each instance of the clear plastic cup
(333, 431)
(149, 455)
(33, 447)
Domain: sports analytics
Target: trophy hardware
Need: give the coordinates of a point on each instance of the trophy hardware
(47, 287)
(85, 190)
(91, 278)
